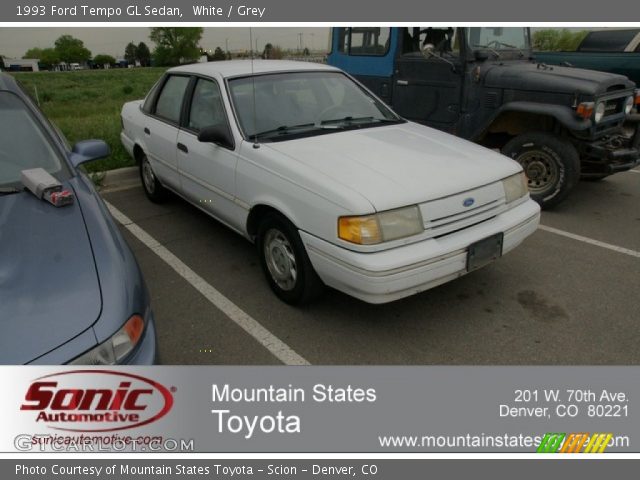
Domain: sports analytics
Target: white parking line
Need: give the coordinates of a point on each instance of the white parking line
(591, 241)
(272, 343)
(634, 171)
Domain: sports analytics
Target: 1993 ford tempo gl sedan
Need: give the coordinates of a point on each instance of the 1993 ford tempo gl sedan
(332, 186)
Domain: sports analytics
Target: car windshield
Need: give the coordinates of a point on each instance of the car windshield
(498, 38)
(303, 103)
(23, 143)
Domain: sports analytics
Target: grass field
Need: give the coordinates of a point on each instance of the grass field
(86, 104)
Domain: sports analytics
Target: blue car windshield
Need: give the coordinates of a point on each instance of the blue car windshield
(24, 143)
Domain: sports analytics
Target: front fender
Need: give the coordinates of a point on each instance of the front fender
(564, 115)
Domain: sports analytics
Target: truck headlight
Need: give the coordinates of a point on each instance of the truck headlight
(515, 187)
(381, 227)
(115, 348)
(599, 112)
(628, 105)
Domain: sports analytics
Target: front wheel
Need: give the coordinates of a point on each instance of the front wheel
(551, 163)
(285, 261)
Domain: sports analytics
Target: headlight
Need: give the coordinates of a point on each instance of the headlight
(115, 348)
(381, 227)
(600, 108)
(515, 187)
(628, 105)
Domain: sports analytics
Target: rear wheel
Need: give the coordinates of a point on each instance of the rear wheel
(285, 261)
(551, 163)
(152, 187)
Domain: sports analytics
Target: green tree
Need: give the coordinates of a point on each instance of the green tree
(272, 52)
(49, 57)
(102, 60)
(218, 55)
(33, 53)
(130, 53)
(558, 40)
(175, 45)
(72, 50)
(143, 55)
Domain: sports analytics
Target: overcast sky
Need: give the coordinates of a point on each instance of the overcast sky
(15, 41)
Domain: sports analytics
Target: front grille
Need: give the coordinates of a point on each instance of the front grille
(613, 106)
(448, 215)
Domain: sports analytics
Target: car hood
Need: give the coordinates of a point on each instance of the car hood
(552, 79)
(49, 289)
(399, 165)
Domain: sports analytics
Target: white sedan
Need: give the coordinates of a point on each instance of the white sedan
(333, 187)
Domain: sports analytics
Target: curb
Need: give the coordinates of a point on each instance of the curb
(119, 178)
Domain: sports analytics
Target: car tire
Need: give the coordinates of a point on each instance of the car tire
(551, 163)
(285, 262)
(153, 189)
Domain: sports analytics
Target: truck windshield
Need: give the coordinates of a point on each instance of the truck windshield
(498, 38)
(277, 106)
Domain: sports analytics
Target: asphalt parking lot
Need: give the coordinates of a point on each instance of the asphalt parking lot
(568, 295)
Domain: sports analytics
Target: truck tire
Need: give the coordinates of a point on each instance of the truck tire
(153, 189)
(285, 262)
(550, 162)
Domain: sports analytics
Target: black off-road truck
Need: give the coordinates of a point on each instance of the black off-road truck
(561, 123)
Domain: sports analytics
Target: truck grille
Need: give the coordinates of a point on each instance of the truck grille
(613, 106)
(447, 215)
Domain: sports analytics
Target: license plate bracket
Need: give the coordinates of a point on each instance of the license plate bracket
(484, 251)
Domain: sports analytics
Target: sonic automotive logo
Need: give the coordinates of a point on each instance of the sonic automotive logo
(117, 401)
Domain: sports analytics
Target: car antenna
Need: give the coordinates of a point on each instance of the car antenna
(253, 88)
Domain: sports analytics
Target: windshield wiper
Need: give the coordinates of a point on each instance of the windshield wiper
(512, 46)
(9, 190)
(283, 130)
(489, 48)
(359, 120)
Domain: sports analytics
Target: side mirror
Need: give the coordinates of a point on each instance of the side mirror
(218, 134)
(89, 150)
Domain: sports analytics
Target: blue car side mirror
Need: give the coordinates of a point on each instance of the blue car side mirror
(89, 150)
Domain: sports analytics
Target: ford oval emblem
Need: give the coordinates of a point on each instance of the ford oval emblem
(468, 202)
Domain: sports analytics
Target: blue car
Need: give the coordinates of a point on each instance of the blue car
(71, 290)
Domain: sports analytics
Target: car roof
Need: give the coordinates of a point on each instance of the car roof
(234, 68)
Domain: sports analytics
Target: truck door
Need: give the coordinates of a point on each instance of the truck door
(367, 53)
(429, 74)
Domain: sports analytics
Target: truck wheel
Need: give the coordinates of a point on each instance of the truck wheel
(285, 261)
(152, 187)
(550, 162)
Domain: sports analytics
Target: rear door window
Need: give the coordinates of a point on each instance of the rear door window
(169, 104)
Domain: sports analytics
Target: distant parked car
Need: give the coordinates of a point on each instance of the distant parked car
(70, 289)
(610, 50)
(332, 185)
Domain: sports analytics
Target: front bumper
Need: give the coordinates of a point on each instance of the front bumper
(616, 153)
(389, 275)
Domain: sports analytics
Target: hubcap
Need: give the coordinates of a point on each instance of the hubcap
(280, 259)
(148, 177)
(541, 170)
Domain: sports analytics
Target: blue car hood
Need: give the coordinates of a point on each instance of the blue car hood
(49, 288)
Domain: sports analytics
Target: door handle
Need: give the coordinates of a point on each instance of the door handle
(147, 131)
(183, 147)
(402, 82)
